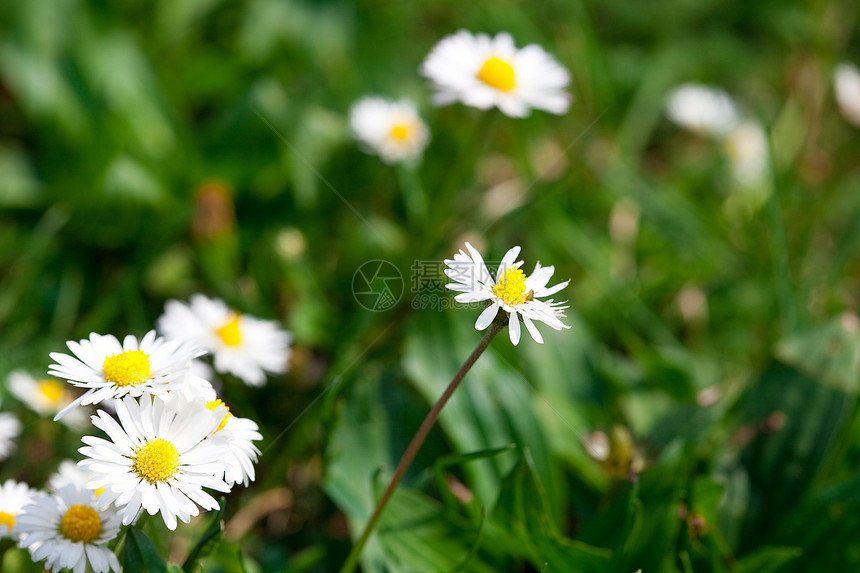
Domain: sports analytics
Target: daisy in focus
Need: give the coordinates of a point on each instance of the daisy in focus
(702, 109)
(510, 291)
(13, 497)
(160, 456)
(69, 530)
(240, 433)
(46, 397)
(486, 72)
(242, 345)
(109, 369)
(846, 85)
(10, 428)
(390, 129)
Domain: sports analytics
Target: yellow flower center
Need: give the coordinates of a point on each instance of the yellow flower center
(157, 461)
(214, 404)
(400, 131)
(7, 519)
(81, 523)
(128, 368)
(511, 287)
(497, 73)
(229, 333)
(52, 390)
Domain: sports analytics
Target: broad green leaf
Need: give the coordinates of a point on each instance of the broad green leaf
(767, 560)
(141, 555)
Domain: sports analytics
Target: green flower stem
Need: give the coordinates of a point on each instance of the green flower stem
(352, 559)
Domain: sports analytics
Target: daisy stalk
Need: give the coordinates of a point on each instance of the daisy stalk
(411, 451)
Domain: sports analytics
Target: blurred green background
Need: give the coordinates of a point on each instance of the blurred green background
(151, 150)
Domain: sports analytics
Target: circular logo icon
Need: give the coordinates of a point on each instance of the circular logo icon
(377, 285)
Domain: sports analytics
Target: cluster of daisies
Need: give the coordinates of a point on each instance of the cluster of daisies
(477, 70)
(166, 438)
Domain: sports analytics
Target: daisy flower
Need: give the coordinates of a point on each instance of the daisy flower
(390, 129)
(510, 291)
(160, 456)
(68, 530)
(242, 345)
(10, 428)
(846, 85)
(702, 109)
(484, 72)
(45, 397)
(68, 474)
(109, 369)
(747, 149)
(13, 496)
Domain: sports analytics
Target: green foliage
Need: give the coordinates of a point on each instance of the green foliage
(714, 342)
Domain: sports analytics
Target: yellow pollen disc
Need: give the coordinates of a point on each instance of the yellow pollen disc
(156, 461)
(498, 74)
(229, 333)
(511, 287)
(214, 404)
(81, 524)
(128, 368)
(400, 131)
(52, 390)
(7, 519)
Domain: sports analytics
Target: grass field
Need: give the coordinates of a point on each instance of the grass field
(699, 415)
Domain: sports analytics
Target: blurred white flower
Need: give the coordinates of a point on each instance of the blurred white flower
(702, 109)
(511, 291)
(160, 456)
(68, 473)
(484, 72)
(846, 84)
(13, 496)
(69, 530)
(109, 369)
(242, 345)
(10, 428)
(747, 149)
(45, 397)
(391, 129)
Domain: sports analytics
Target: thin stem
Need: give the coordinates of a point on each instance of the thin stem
(415, 444)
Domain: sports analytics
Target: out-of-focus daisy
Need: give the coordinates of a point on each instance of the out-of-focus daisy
(13, 496)
(747, 150)
(846, 84)
(160, 456)
(68, 473)
(242, 345)
(702, 109)
(484, 72)
(391, 129)
(510, 291)
(10, 428)
(46, 396)
(109, 369)
(68, 530)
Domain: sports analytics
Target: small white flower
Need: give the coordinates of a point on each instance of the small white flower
(702, 109)
(69, 529)
(747, 150)
(391, 129)
(511, 291)
(484, 72)
(846, 85)
(160, 456)
(68, 474)
(241, 433)
(241, 345)
(10, 428)
(13, 496)
(109, 369)
(45, 397)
